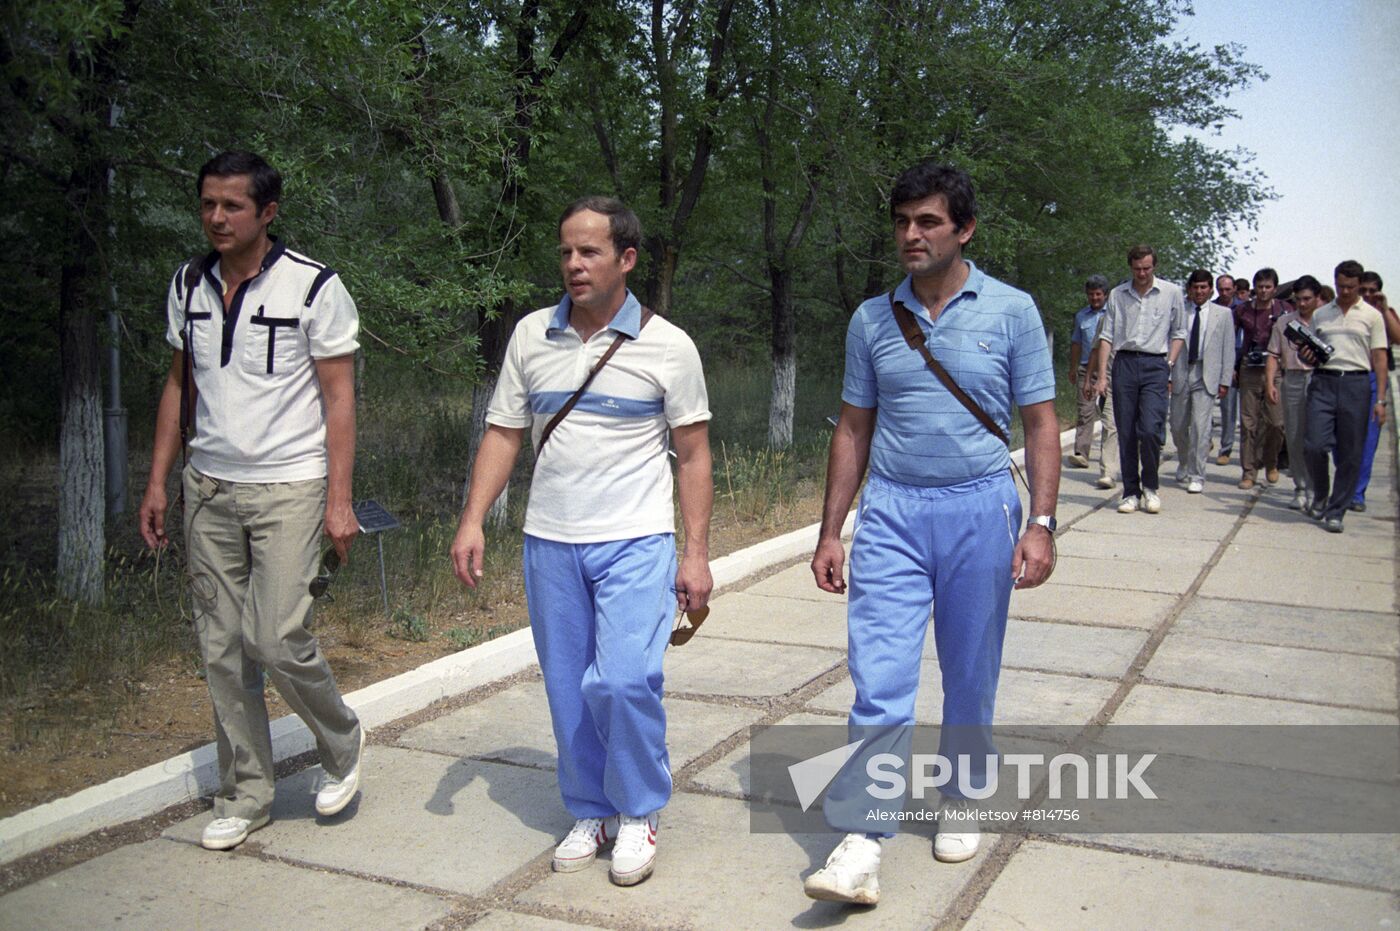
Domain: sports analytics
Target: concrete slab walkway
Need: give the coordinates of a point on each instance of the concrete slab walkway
(1227, 608)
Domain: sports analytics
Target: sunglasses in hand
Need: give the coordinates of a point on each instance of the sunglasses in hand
(330, 563)
(682, 632)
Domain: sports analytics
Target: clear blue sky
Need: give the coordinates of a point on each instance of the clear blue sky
(1325, 129)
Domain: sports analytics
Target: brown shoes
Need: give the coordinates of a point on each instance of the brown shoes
(1246, 483)
(1272, 476)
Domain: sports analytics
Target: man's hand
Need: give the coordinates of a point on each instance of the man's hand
(1224, 390)
(1378, 413)
(342, 528)
(827, 566)
(1100, 386)
(693, 583)
(1271, 390)
(151, 517)
(468, 547)
(1033, 558)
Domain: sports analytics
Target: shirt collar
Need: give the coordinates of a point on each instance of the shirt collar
(627, 320)
(972, 286)
(212, 261)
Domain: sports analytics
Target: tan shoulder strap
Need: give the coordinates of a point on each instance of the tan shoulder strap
(914, 336)
(597, 367)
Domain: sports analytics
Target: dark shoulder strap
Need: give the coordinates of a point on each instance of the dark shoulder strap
(597, 367)
(914, 336)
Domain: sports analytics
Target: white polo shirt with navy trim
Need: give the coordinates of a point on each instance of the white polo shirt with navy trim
(990, 339)
(604, 474)
(259, 417)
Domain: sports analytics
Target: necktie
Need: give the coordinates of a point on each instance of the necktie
(1195, 354)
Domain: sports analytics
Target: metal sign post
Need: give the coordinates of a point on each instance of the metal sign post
(373, 518)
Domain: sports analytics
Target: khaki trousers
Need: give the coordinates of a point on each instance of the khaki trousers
(253, 551)
(1293, 397)
(1261, 423)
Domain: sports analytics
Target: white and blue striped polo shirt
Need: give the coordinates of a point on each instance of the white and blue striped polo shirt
(604, 475)
(990, 339)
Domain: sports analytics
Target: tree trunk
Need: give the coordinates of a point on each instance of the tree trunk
(81, 495)
(784, 347)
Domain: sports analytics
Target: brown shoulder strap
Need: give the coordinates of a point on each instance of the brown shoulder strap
(914, 336)
(597, 367)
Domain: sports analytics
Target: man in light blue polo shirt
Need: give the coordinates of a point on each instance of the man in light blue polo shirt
(1091, 409)
(939, 520)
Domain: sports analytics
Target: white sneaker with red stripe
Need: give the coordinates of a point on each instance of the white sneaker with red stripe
(634, 855)
(588, 836)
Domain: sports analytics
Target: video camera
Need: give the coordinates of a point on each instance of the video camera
(1300, 335)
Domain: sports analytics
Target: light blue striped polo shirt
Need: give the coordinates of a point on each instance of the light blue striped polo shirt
(990, 339)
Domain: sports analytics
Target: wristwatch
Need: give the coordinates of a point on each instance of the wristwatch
(1045, 520)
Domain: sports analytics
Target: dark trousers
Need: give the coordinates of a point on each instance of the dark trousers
(1338, 408)
(1140, 407)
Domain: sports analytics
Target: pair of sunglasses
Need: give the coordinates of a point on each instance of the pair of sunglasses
(330, 563)
(682, 632)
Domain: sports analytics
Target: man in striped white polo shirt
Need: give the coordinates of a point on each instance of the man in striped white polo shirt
(601, 575)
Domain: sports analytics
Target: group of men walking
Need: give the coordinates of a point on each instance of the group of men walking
(262, 378)
(1164, 356)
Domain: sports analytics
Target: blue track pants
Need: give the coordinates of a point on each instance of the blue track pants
(949, 547)
(601, 616)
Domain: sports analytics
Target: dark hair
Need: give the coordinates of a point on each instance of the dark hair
(1096, 282)
(264, 182)
(1307, 283)
(1349, 269)
(1264, 273)
(928, 178)
(1229, 278)
(1373, 278)
(1141, 251)
(1200, 274)
(623, 225)
(1242, 284)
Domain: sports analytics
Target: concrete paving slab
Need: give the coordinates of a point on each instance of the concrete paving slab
(731, 774)
(422, 818)
(1083, 544)
(1023, 697)
(746, 616)
(1159, 704)
(1362, 533)
(795, 582)
(519, 921)
(1273, 672)
(1055, 886)
(1292, 565)
(1290, 625)
(513, 726)
(731, 667)
(161, 884)
(1363, 859)
(712, 873)
(1068, 648)
(1055, 601)
(1140, 574)
(1184, 526)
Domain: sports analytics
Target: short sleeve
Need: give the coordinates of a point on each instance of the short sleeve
(1179, 329)
(1107, 324)
(1378, 337)
(858, 388)
(1275, 347)
(686, 399)
(175, 310)
(1032, 373)
(510, 402)
(332, 323)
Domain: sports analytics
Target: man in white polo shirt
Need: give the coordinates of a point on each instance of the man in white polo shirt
(601, 575)
(269, 338)
(1339, 397)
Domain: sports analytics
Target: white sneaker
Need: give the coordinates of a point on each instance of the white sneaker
(227, 833)
(584, 840)
(1195, 487)
(1104, 481)
(1150, 502)
(957, 838)
(1128, 505)
(634, 854)
(851, 874)
(1299, 502)
(334, 793)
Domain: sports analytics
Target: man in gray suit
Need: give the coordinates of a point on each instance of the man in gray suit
(1200, 375)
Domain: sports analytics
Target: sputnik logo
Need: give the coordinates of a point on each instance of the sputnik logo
(812, 776)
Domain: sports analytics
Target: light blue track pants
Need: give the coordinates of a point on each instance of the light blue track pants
(601, 617)
(913, 546)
